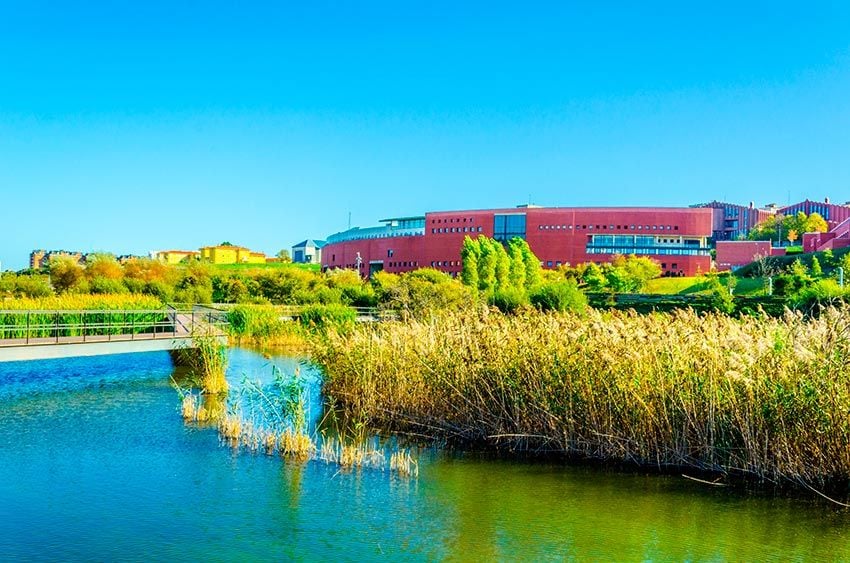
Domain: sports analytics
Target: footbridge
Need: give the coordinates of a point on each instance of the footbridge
(41, 334)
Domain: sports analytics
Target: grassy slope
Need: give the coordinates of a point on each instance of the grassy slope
(697, 284)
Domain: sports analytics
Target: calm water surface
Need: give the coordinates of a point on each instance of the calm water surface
(96, 464)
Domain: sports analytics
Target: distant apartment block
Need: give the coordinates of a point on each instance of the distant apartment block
(173, 257)
(228, 254)
(308, 252)
(40, 258)
(219, 254)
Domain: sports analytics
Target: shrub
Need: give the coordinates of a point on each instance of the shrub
(32, 286)
(422, 292)
(324, 316)
(359, 296)
(510, 300)
(819, 293)
(106, 285)
(255, 321)
(559, 296)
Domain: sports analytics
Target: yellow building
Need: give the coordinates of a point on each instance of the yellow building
(175, 256)
(226, 254)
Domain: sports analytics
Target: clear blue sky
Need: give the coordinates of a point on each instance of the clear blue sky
(135, 126)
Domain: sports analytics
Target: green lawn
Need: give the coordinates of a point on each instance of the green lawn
(750, 287)
(675, 286)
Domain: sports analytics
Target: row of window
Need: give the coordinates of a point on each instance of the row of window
(452, 220)
(626, 250)
(441, 230)
(445, 263)
(403, 264)
(556, 263)
(610, 227)
(639, 240)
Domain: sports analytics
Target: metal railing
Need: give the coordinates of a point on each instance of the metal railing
(294, 311)
(29, 327)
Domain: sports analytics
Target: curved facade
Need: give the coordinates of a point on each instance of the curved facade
(677, 238)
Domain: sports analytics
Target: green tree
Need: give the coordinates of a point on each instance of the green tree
(594, 277)
(844, 263)
(815, 224)
(517, 264)
(503, 266)
(103, 266)
(487, 265)
(640, 270)
(533, 270)
(65, 274)
(469, 253)
(283, 255)
(817, 271)
(767, 229)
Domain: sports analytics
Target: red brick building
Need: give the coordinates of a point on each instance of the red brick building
(736, 253)
(675, 237)
(733, 221)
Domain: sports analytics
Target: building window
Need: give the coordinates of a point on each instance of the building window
(390, 253)
(506, 227)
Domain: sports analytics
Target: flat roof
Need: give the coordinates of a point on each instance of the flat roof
(523, 208)
(411, 218)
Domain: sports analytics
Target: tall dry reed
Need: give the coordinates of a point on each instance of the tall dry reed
(764, 397)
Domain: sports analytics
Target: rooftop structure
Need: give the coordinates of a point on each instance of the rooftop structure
(308, 251)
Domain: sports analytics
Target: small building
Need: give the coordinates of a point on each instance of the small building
(229, 254)
(732, 254)
(173, 257)
(308, 252)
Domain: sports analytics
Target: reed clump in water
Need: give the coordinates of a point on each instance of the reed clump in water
(206, 360)
(756, 396)
(352, 454)
(297, 445)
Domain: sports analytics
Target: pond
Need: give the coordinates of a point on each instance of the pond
(97, 463)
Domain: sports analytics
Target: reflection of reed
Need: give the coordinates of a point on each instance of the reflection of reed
(203, 409)
(275, 423)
